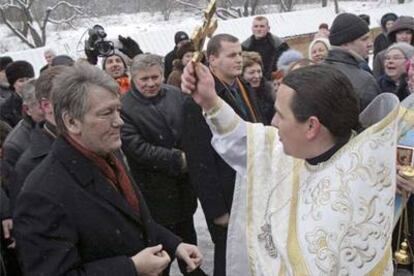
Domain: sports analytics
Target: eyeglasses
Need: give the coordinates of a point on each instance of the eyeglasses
(394, 58)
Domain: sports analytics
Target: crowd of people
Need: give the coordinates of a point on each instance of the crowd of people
(101, 168)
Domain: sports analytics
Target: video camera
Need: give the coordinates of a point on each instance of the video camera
(97, 44)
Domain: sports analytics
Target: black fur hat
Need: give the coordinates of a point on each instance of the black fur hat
(18, 69)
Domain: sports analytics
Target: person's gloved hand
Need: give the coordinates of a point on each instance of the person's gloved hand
(129, 46)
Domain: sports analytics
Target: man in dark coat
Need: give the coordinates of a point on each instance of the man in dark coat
(42, 137)
(8, 257)
(269, 46)
(5, 91)
(351, 43)
(211, 177)
(179, 38)
(79, 211)
(151, 136)
(19, 139)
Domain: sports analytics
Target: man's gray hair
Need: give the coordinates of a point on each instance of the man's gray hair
(28, 93)
(145, 61)
(49, 51)
(71, 87)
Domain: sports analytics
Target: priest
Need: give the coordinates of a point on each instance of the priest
(315, 191)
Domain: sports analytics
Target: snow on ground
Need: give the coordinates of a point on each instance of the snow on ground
(157, 36)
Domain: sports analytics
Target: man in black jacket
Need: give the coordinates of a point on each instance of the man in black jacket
(42, 137)
(269, 46)
(5, 91)
(179, 39)
(351, 43)
(151, 138)
(211, 177)
(79, 211)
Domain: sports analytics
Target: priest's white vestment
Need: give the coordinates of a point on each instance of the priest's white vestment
(292, 218)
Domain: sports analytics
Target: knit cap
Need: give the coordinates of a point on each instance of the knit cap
(322, 40)
(180, 36)
(346, 28)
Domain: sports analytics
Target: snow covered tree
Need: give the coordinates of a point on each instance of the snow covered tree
(31, 29)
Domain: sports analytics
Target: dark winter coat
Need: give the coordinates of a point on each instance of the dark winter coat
(69, 220)
(175, 76)
(363, 82)
(270, 49)
(210, 175)
(40, 146)
(151, 139)
(15, 144)
(11, 109)
(386, 84)
(5, 92)
(168, 62)
(381, 42)
(17, 141)
(265, 101)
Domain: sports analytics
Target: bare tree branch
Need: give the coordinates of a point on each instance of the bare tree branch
(34, 29)
(14, 29)
(187, 4)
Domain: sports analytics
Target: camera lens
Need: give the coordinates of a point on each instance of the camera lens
(104, 48)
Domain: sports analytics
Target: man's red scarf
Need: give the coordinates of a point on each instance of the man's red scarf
(124, 84)
(113, 170)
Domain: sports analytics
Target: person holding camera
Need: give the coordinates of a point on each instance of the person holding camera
(115, 59)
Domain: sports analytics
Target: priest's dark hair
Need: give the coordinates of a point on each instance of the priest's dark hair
(324, 92)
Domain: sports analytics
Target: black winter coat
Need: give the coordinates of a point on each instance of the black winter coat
(168, 62)
(270, 49)
(39, 148)
(151, 139)
(69, 220)
(363, 82)
(265, 101)
(11, 109)
(16, 143)
(386, 84)
(210, 175)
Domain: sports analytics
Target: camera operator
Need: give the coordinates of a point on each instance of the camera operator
(115, 59)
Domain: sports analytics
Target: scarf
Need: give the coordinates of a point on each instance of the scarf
(113, 170)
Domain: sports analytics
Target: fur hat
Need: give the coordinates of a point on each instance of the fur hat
(402, 23)
(404, 47)
(4, 61)
(180, 36)
(185, 48)
(287, 58)
(346, 28)
(388, 17)
(18, 69)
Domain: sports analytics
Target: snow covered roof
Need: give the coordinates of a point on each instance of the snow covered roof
(161, 40)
